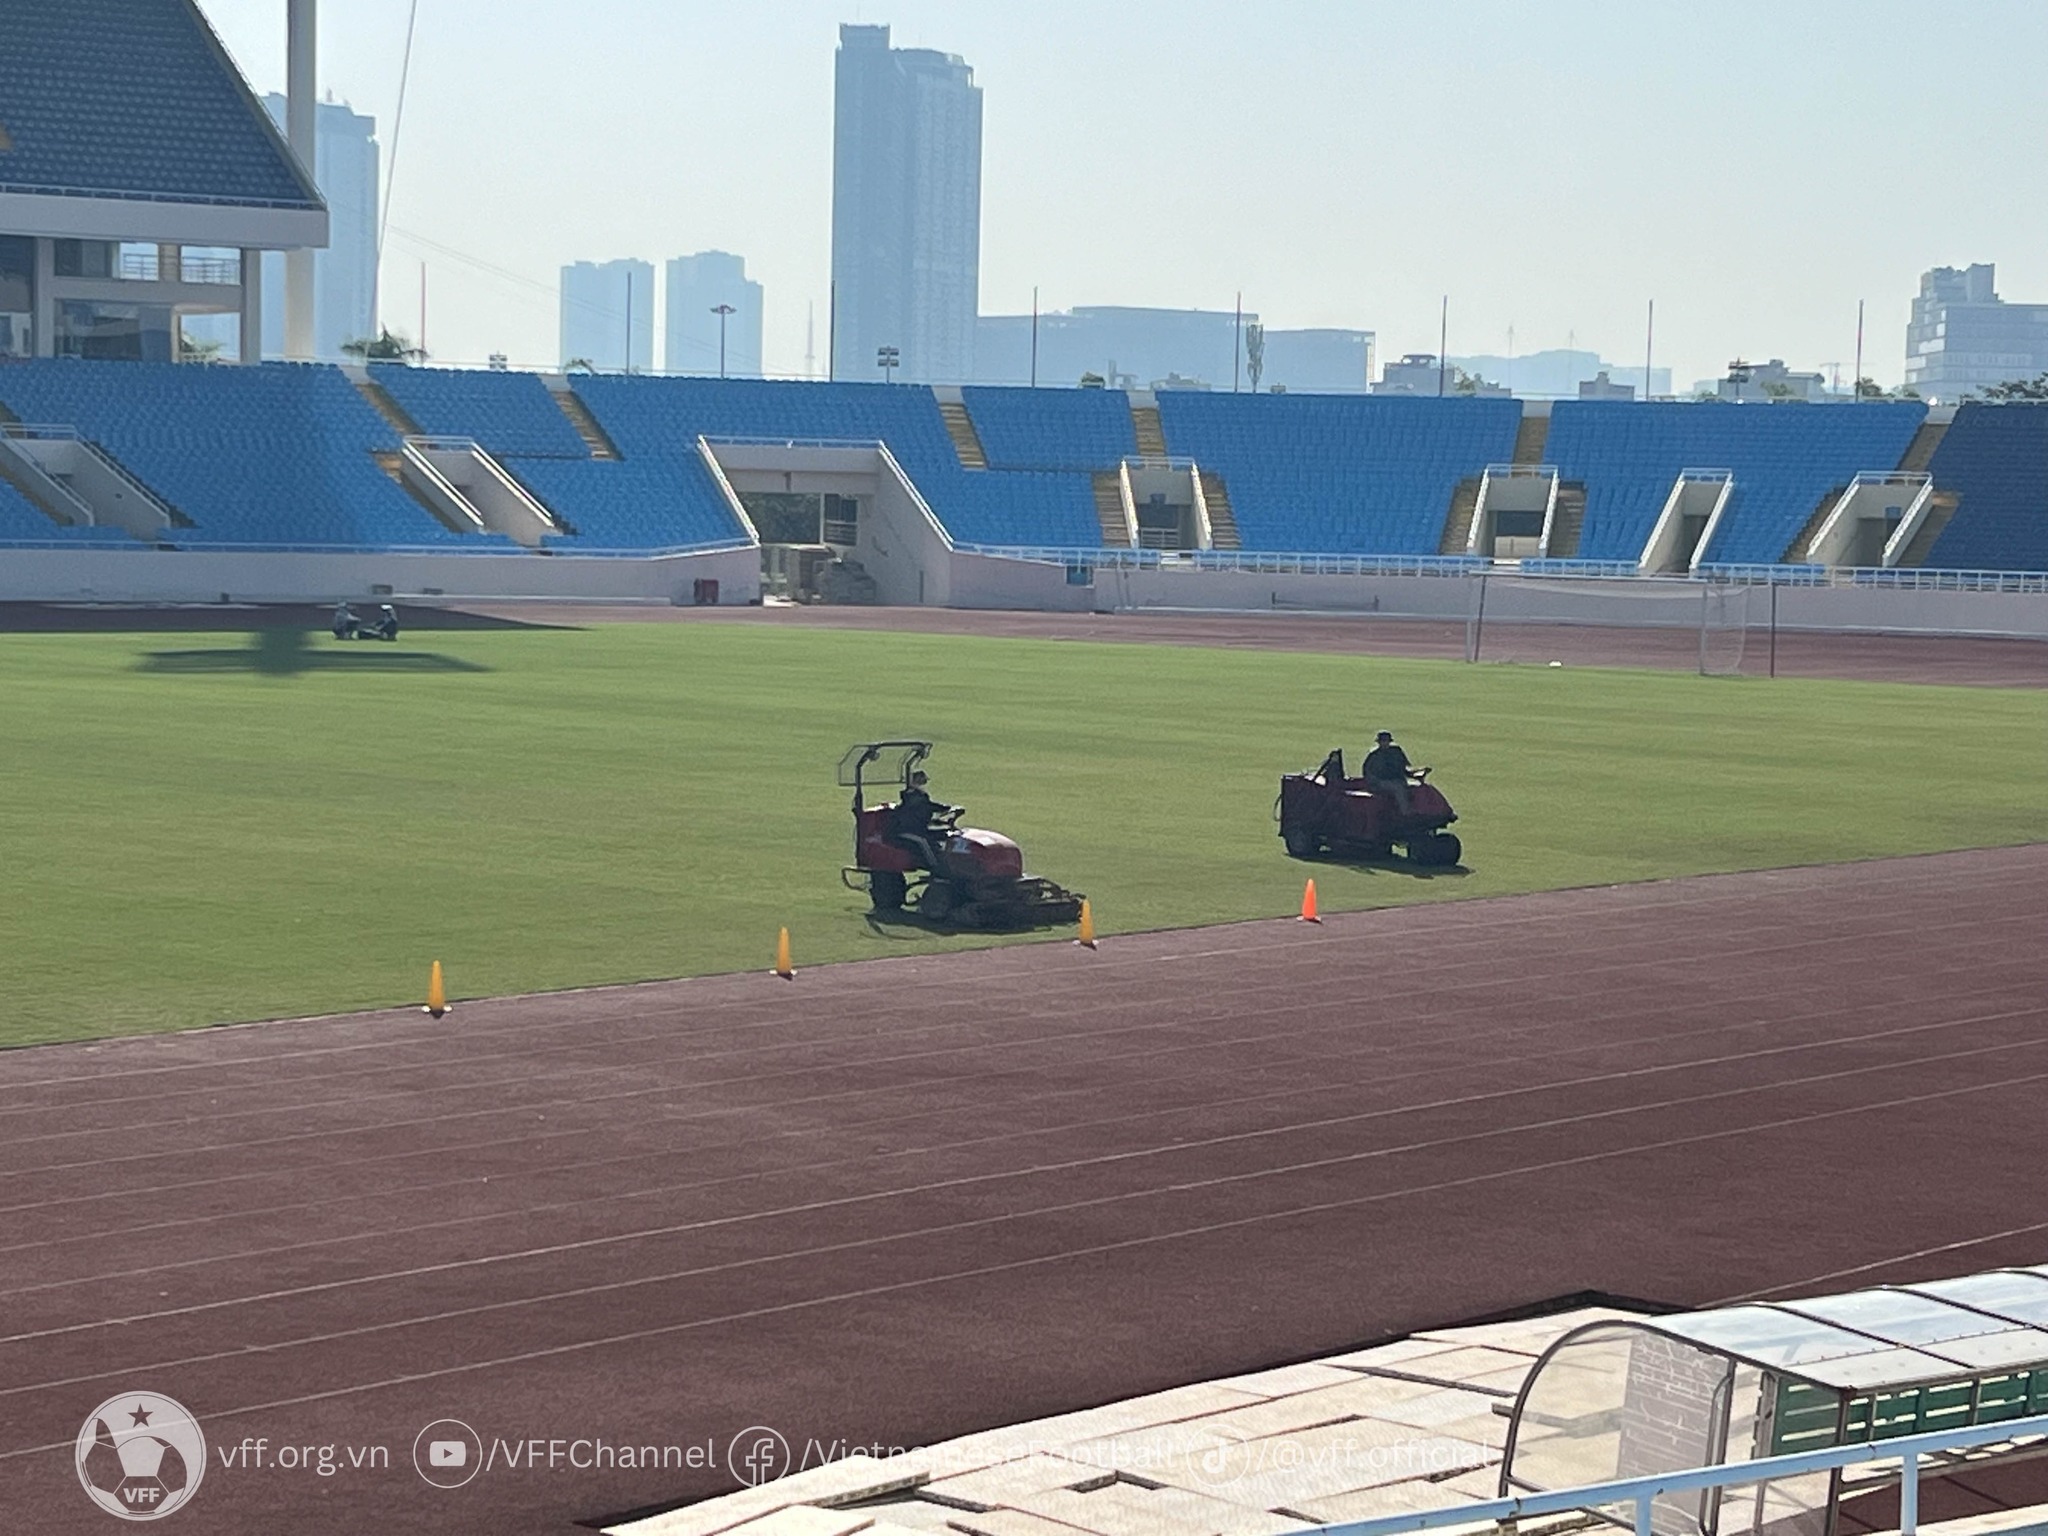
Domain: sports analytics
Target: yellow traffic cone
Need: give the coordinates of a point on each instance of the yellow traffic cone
(782, 965)
(437, 994)
(1086, 937)
(1308, 904)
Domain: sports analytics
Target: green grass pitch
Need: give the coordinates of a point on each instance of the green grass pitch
(202, 828)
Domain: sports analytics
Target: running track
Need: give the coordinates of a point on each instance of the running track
(904, 1200)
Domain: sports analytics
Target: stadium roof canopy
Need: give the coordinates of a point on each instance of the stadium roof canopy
(1636, 1396)
(126, 120)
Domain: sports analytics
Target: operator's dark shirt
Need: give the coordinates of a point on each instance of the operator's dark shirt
(913, 813)
(1388, 764)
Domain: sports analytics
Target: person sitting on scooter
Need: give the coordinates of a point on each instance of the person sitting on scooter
(1387, 772)
(910, 822)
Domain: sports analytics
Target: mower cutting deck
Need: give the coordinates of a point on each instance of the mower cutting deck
(957, 877)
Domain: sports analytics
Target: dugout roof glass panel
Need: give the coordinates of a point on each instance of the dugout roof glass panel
(1634, 1397)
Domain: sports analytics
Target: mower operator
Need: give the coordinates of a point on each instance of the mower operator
(910, 823)
(1386, 771)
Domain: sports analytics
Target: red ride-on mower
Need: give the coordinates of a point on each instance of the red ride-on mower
(980, 881)
(1324, 812)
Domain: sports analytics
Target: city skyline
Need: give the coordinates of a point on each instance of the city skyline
(1112, 175)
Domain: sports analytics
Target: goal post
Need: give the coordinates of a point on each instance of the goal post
(1607, 620)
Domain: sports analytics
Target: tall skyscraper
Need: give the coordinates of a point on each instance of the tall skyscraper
(345, 274)
(906, 210)
(1963, 337)
(697, 285)
(602, 304)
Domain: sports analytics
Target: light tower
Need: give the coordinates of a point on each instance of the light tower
(301, 56)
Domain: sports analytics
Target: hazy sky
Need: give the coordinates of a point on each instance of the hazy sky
(1755, 166)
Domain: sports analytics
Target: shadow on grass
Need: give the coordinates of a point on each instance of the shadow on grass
(1391, 866)
(292, 653)
(906, 923)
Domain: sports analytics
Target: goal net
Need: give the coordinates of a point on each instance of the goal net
(1619, 621)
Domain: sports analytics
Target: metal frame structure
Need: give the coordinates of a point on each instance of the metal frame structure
(1747, 1386)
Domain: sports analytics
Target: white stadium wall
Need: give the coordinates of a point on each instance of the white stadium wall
(195, 576)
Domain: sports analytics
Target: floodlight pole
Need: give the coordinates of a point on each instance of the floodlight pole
(1856, 388)
(1034, 336)
(1649, 344)
(1443, 342)
(301, 87)
(720, 310)
(1237, 341)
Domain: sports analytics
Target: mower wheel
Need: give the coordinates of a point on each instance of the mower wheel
(937, 902)
(885, 889)
(1440, 850)
(1301, 843)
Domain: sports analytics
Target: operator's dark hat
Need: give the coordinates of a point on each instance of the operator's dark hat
(1384, 736)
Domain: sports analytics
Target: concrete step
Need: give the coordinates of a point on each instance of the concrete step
(966, 441)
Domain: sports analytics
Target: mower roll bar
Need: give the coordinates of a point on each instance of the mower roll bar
(901, 758)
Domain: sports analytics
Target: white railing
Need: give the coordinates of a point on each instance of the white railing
(36, 432)
(1312, 564)
(1643, 1492)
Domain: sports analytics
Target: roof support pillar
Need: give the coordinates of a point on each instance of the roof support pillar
(301, 76)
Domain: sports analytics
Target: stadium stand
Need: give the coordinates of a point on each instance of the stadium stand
(508, 414)
(134, 97)
(22, 523)
(661, 497)
(1086, 429)
(1995, 457)
(1339, 474)
(280, 454)
(1784, 460)
(661, 419)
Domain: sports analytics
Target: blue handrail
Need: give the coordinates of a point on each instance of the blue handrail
(1643, 1492)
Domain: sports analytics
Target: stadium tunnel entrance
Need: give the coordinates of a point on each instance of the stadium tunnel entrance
(838, 522)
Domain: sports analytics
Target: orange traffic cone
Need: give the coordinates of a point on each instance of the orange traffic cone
(437, 994)
(782, 965)
(1308, 904)
(1086, 937)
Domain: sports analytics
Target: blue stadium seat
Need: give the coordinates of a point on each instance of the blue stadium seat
(509, 414)
(1339, 474)
(22, 523)
(1085, 429)
(1785, 458)
(134, 97)
(273, 455)
(1995, 457)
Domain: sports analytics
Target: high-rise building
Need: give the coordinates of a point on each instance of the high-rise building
(697, 286)
(906, 210)
(603, 304)
(1963, 337)
(346, 169)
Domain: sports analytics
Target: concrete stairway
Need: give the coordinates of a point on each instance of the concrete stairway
(594, 436)
(1457, 537)
(1920, 452)
(1151, 436)
(392, 412)
(1531, 437)
(1222, 520)
(966, 441)
(1109, 510)
(1941, 507)
(1568, 519)
(1800, 550)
